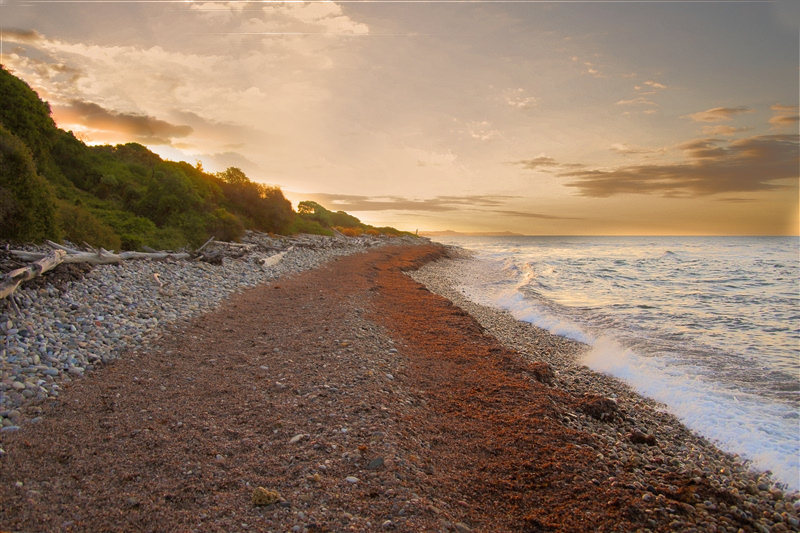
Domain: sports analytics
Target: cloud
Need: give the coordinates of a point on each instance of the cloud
(138, 128)
(516, 98)
(637, 101)
(351, 203)
(626, 149)
(784, 115)
(544, 163)
(718, 114)
(21, 36)
(427, 158)
(526, 214)
(655, 85)
(652, 87)
(723, 130)
(283, 18)
(481, 130)
(711, 167)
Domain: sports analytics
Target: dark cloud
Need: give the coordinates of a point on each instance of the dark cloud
(25, 36)
(139, 128)
(711, 167)
(345, 202)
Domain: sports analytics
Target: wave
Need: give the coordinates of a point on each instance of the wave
(736, 422)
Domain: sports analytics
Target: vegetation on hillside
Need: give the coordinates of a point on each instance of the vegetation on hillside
(54, 186)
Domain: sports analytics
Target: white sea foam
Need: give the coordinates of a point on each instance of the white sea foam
(736, 422)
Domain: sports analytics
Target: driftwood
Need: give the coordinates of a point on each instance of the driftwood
(272, 260)
(44, 261)
(12, 280)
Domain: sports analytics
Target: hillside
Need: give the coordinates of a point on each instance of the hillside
(54, 186)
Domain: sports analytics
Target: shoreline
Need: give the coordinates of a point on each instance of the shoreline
(369, 403)
(444, 279)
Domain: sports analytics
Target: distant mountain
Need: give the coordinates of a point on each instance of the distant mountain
(451, 233)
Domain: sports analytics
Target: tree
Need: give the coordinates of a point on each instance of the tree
(234, 176)
(27, 208)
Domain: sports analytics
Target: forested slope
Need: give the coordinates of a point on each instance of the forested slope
(54, 186)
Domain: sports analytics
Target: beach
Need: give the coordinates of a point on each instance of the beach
(351, 396)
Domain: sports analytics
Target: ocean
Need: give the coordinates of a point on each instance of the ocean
(708, 326)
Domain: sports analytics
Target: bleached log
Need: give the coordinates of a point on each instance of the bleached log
(271, 261)
(103, 257)
(12, 279)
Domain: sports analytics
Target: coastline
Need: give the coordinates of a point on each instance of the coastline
(369, 403)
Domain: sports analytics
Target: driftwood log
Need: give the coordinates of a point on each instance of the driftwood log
(12, 280)
(45, 261)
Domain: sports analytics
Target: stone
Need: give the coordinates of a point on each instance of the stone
(262, 496)
(375, 463)
(352, 479)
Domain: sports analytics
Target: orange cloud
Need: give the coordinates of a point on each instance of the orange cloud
(784, 115)
(139, 128)
(718, 114)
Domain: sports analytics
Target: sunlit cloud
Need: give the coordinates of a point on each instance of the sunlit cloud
(637, 101)
(92, 118)
(626, 149)
(718, 114)
(784, 115)
(712, 166)
(481, 130)
(517, 98)
(655, 85)
(279, 18)
(723, 130)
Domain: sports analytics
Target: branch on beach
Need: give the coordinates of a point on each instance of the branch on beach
(13, 279)
(45, 261)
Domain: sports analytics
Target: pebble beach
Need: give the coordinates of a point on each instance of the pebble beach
(57, 334)
(334, 460)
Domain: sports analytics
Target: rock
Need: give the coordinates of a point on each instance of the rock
(297, 438)
(352, 479)
(262, 496)
(461, 527)
(637, 437)
(597, 406)
(542, 372)
(375, 463)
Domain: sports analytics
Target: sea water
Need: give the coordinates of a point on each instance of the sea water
(708, 326)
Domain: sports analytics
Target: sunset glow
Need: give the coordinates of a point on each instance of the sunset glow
(531, 117)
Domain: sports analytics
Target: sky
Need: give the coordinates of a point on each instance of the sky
(538, 118)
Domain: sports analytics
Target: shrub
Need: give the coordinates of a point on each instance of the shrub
(27, 208)
(81, 226)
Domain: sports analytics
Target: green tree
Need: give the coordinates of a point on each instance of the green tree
(234, 176)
